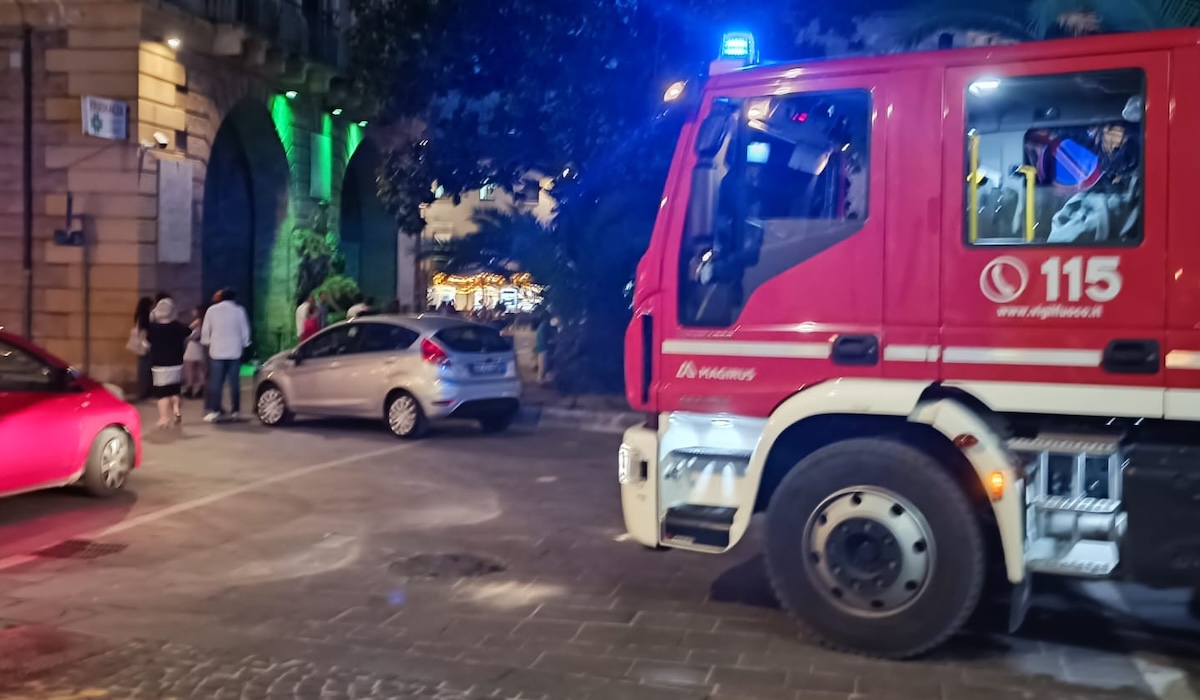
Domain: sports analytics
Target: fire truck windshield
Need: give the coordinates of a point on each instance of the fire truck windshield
(778, 180)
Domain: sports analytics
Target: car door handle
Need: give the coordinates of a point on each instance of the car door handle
(1132, 356)
(855, 350)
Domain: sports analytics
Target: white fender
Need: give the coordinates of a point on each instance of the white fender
(898, 398)
(846, 396)
(951, 418)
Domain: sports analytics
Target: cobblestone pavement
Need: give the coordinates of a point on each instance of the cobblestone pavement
(329, 561)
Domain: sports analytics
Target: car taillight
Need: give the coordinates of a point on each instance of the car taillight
(432, 353)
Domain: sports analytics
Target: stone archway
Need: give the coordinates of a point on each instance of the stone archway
(245, 202)
(368, 231)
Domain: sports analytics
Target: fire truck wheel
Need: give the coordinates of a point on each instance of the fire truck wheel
(874, 549)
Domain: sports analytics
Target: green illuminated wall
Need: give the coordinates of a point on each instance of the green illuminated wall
(354, 136)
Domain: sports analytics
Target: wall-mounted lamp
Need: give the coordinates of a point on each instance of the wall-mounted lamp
(337, 111)
(291, 94)
(174, 42)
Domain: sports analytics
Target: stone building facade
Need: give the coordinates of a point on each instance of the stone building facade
(243, 138)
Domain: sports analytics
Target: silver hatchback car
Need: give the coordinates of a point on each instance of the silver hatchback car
(408, 370)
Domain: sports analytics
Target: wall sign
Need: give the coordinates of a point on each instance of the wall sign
(105, 119)
(175, 210)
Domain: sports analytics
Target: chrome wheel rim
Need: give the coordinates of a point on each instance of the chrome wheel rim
(116, 459)
(869, 551)
(402, 415)
(271, 406)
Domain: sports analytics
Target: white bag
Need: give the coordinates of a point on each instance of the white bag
(167, 376)
(137, 342)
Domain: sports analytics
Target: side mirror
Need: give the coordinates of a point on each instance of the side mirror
(295, 356)
(66, 380)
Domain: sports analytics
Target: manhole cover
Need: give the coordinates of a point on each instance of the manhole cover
(433, 566)
(79, 549)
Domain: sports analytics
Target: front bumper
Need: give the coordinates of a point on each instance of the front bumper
(637, 472)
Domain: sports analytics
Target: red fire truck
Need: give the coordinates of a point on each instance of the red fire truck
(937, 315)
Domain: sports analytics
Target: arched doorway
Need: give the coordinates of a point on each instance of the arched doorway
(368, 231)
(245, 201)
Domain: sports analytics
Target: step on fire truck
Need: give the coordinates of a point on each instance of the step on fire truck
(938, 316)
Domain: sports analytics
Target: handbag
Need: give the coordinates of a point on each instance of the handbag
(137, 342)
(166, 376)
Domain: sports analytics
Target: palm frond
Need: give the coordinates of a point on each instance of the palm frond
(1004, 19)
(1115, 15)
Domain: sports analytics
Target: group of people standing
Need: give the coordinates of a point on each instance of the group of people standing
(200, 357)
(313, 313)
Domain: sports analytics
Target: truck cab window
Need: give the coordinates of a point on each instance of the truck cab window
(1055, 159)
(788, 179)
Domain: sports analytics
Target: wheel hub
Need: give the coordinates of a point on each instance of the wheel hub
(270, 406)
(402, 415)
(114, 462)
(869, 550)
(863, 555)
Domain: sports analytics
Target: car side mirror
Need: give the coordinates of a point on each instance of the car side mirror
(295, 356)
(67, 380)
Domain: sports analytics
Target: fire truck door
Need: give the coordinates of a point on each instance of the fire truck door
(1054, 234)
(778, 262)
(1182, 353)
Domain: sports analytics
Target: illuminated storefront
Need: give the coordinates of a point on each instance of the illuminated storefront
(485, 290)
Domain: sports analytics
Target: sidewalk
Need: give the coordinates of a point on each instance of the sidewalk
(544, 407)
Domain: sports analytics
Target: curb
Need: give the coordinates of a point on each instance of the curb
(609, 422)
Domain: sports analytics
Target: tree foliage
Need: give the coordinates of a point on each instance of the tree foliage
(883, 26)
(477, 93)
(487, 92)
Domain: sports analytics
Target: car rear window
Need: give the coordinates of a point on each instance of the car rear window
(472, 339)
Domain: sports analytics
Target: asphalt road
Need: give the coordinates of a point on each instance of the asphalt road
(329, 560)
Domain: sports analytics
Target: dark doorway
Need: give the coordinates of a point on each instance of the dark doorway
(368, 231)
(245, 201)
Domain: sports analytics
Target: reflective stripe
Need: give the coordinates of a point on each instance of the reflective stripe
(1034, 357)
(1065, 399)
(744, 348)
(1022, 356)
(1181, 404)
(911, 353)
(1183, 359)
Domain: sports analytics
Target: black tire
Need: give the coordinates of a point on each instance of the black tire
(270, 415)
(402, 428)
(101, 476)
(498, 422)
(821, 491)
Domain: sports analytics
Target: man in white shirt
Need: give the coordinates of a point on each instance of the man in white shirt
(302, 314)
(226, 334)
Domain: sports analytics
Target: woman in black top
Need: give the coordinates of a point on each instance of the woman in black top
(141, 321)
(168, 339)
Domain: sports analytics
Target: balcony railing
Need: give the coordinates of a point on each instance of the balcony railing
(301, 26)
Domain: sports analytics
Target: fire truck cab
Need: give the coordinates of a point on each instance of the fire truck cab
(938, 316)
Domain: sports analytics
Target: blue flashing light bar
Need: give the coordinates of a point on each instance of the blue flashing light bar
(738, 45)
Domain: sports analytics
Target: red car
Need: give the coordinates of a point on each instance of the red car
(59, 427)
